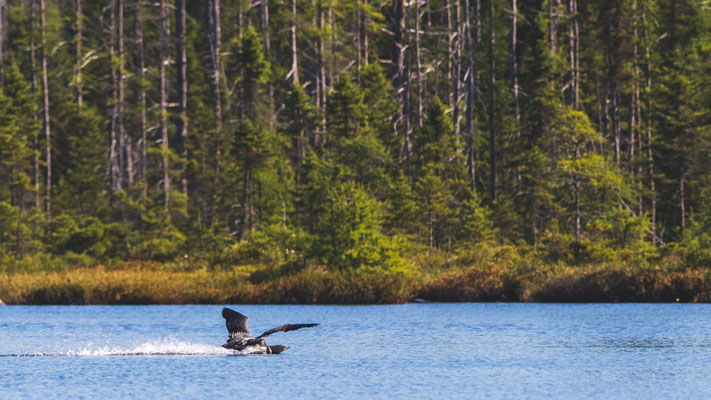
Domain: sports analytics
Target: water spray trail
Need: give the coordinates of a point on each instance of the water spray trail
(165, 346)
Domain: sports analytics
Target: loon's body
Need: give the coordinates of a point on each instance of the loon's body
(242, 340)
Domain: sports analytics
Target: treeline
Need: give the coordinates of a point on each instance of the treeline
(355, 134)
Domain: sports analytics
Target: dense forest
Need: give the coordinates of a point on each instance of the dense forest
(356, 135)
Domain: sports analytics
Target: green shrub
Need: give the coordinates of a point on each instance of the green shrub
(351, 237)
(272, 245)
(696, 242)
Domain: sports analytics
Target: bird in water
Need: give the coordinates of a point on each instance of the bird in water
(242, 340)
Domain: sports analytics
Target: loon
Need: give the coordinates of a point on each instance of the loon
(242, 340)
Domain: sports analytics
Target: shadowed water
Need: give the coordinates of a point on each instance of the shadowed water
(403, 351)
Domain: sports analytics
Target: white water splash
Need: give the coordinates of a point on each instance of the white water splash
(163, 346)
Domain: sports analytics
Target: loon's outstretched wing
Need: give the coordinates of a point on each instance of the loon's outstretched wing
(285, 328)
(236, 323)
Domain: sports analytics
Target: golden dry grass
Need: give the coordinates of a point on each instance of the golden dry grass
(134, 284)
(152, 283)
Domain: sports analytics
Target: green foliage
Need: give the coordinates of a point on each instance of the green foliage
(253, 68)
(433, 144)
(602, 150)
(621, 236)
(433, 208)
(362, 159)
(402, 206)
(88, 236)
(159, 239)
(350, 237)
(18, 128)
(274, 246)
(696, 242)
(380, 104)
(346, 113)
(477, 222)
(310, 200)
(301, 122)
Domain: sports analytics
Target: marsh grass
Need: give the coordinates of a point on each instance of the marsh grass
(445, 280)
(135, 283)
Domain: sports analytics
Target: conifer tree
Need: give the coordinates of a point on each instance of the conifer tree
(252, 137)
(17, 127)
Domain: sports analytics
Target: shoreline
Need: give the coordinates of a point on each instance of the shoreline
(134, 284)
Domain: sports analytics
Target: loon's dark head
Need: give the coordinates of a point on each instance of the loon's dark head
(276, 349)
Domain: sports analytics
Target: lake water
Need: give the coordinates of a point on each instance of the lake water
(421, 351)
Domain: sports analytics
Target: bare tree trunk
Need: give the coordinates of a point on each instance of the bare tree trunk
(576, 32)
(492, 99)
(4, 37)
(78, 48)
(294, 51)
(240, 18)
(637, 110)
(118, 93)
(35, 143)
(477, 20)
(419, 64)
(407, 145)
(114, 147)
(127, 139)
(576, 67)
(606, 129)
(577, 210)
(247, 220)
(3, 34)
(682, 201)
(650, 155)
(267, 48)
(514, 75)
(142, 97)
(124, 154)
(128, 144)
(398, 50)
(572, 46)
(616, 120)
(553, 15)
(182, 83)
(265, 26)
(631, 140)
(47, 131)
(634, 103)
(400, 81)
(514, 66)
(322, 64)
(365, 33)
(334, 43)
(213, 14)
(450, 49)
(471, 169)
(164, 34)
(319, 61)
(457, 67)
(357, 39)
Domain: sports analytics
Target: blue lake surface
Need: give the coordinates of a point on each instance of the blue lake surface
(420, 351)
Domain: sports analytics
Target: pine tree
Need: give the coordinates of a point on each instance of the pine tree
(252, 139)
(346, 111)
(17, 127)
